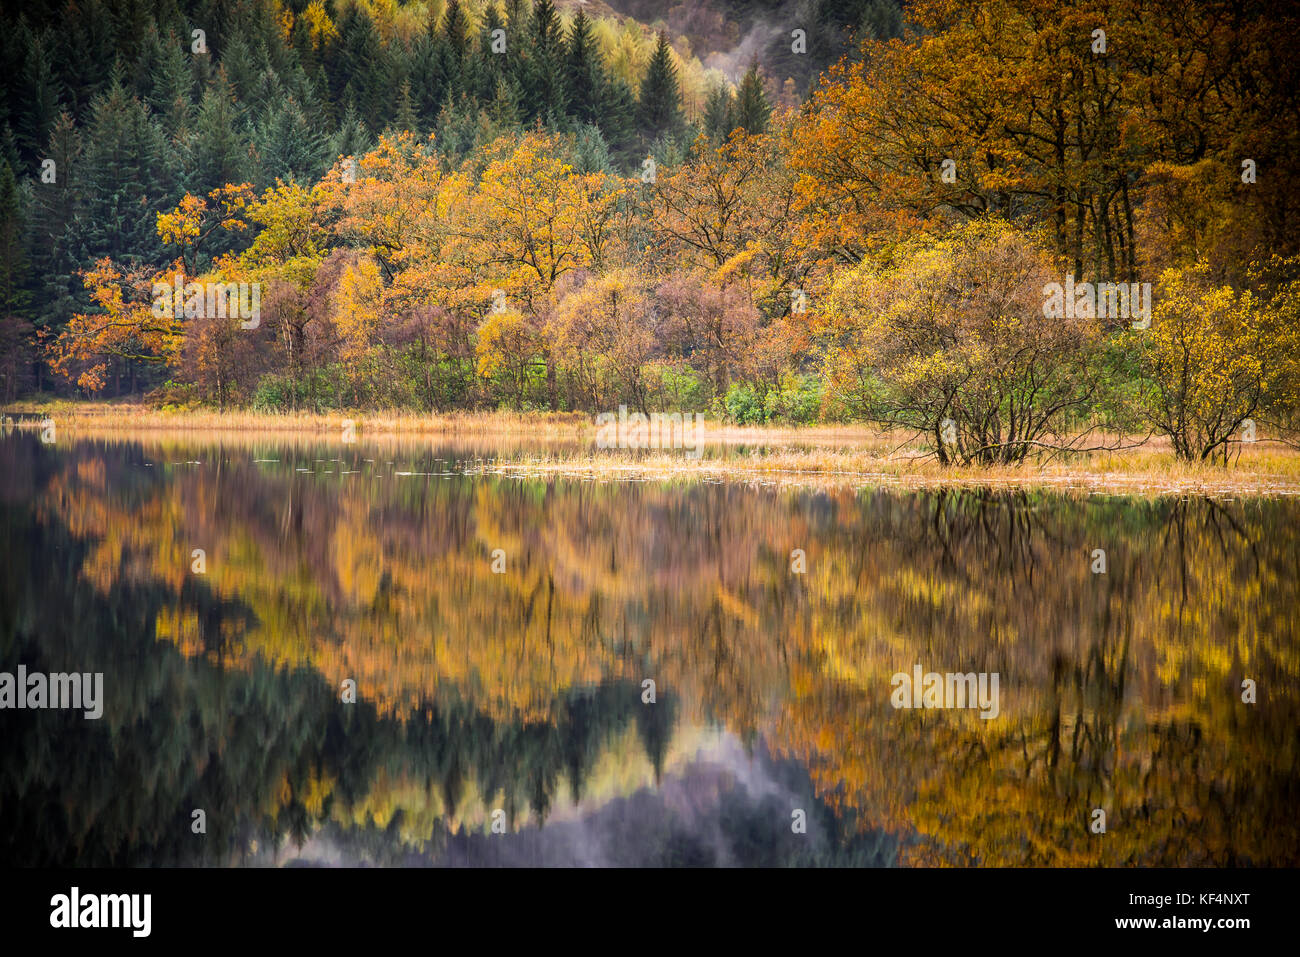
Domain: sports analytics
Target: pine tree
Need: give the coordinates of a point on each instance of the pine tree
(218, 153)
(753, 110)
(128, 178)
(543, 77)
(504, 108)
(426, 77)
(404, 117)
(39, 103)
(585, 78)
(15, 292)
(170, 91)
(718, 113)
(351, 139)
(659, 111)
(491, 65)
(590, 154)
(15, 296)
(359, 70)
(287, 146)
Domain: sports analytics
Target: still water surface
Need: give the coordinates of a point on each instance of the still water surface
(524, 691)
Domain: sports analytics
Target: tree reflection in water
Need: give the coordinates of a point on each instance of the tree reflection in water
(522, 691)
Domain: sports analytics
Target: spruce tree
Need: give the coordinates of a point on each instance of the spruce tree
(718, 113)
(618, 123)
(218, 152)
(426, 76)
(454, 65)
(881, 20)
(86, 55)
(9, 147)
(544, 86)
(15, 293)
(504, 108)
(404, 117)
(55, 206)
(38, 105)
(752, 107)
(491, 65)
(455, 34)
(659, 110)
(358, 68)
(590, 154)
(459, 124)
(170, 93)
(243, 67)
(585, 78)
(287, 146)
(15, 296)
(128, 178)
(350, 139)
(301, 41)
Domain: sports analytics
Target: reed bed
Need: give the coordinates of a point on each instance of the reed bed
(545, 445)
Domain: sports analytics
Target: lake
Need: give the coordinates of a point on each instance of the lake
(317, 654)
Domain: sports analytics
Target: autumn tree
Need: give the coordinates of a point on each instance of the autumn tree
(193, 222)
(1049, 112)
(951, 340)
(124, 327)
(711, 326)
(1213, 357)
(733, 210)
(605, 334)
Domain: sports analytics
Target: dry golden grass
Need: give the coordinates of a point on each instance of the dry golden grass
(1142, 471)
(545, 445)
(133, 417)
(122, 418)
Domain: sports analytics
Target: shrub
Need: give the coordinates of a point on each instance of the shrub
(952, 340)
(744, 405)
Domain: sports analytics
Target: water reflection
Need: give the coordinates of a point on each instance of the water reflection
(522, 691)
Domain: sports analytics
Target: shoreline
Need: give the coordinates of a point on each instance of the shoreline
(542, 446)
